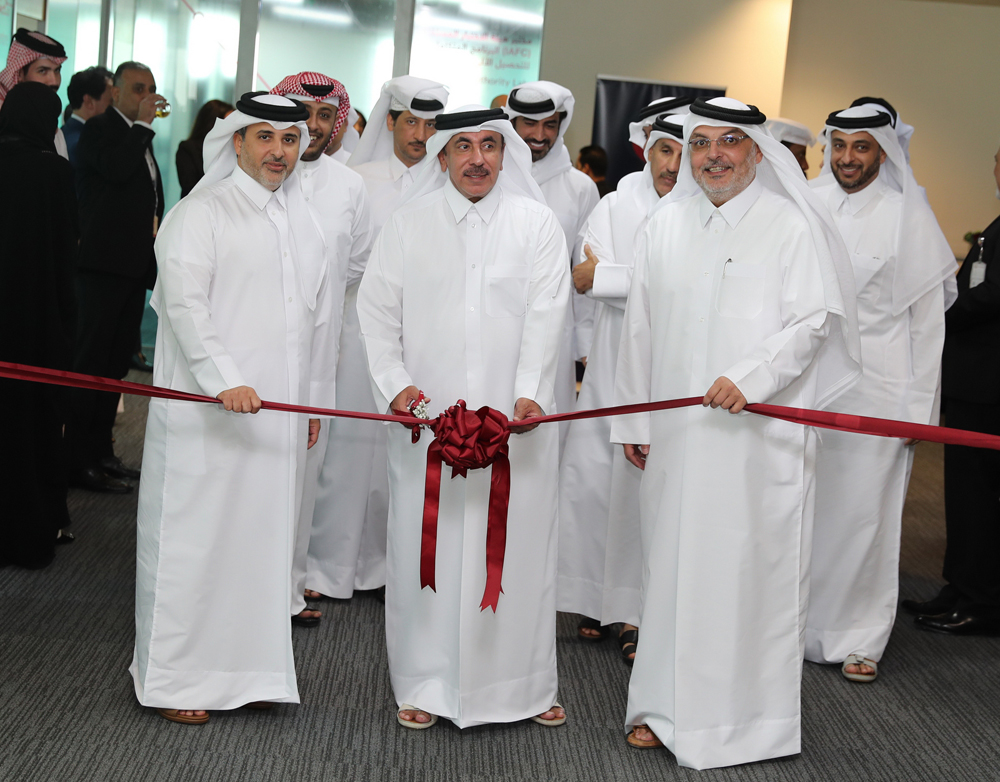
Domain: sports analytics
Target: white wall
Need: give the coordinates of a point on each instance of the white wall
(936, 62)
(736, 44)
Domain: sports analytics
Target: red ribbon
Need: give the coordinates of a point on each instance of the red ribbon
(469, 441)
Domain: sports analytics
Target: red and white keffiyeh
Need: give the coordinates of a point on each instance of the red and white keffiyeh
(317, 87)
(21, 55)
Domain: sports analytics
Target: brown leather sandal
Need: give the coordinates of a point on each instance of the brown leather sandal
(174, 715)
(635, 741)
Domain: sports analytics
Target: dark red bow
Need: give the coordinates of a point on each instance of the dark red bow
(469, 441)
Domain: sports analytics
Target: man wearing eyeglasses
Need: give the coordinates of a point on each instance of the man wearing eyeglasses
(737, 299)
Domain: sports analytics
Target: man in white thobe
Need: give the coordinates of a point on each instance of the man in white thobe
(905, 275)
(642, 121)
(345, 140)
(337, 194)
(794, 135)
(395, 140)
(600, 561)
(347, 543)
(464, 298)
(738, 298)
(240, 264)
(904, 132)
(541, 112)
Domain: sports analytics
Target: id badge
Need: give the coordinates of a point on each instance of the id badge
(978, 274)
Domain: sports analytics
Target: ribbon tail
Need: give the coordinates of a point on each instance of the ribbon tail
(428, 536)
(496, 532)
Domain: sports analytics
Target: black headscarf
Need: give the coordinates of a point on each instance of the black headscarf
(30, 114)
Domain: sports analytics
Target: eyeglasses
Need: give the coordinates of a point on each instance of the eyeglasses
(729, 141)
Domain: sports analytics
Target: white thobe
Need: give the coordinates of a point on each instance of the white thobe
(726, 500)
(341, 155)
(355, 487)
(600, 561)
(218, 494)
(572, 195)
(337, 194)
(386, 181)
(860, 480)
(466, 301)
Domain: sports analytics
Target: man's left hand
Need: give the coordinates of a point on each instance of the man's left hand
(583, 272)
(523, 409)
(313, 432)
(726, 395)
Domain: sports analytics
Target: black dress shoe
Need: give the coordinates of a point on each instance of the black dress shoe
(95, 479)
(139, 362)
(65, 538)
(944, 603)
(112, 465)
(961, 622)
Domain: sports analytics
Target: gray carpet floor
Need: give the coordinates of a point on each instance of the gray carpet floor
(68, 711)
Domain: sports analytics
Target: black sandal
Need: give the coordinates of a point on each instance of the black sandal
(586, 623)
(629, 638)
(306, 621)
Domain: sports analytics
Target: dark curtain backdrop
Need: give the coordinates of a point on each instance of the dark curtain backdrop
(615, 104)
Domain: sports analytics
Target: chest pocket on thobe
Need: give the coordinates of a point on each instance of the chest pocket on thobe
(507, 291)
(741, 290)
(865, 268)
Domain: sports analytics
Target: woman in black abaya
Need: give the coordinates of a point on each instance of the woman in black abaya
(38, 239)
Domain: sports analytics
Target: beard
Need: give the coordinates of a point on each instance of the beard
(867, 175)
(742, 176)
(315, 153)
(260, 174)
(538, 154)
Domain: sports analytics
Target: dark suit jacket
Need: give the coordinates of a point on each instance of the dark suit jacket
(117, 198)
(71, 132)
(971, 371)
(190, 167)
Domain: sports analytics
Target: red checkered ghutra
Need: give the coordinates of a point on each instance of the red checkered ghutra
(308, 85)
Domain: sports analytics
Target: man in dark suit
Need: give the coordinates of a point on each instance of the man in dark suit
(89, 94)
(969, 604)
(121, 203)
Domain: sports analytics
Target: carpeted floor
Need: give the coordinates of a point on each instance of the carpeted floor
(68, 712)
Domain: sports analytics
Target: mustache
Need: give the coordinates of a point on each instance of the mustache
(544, 141)
(476, 171)
(274, 159)
(416, 143)
(713, 163)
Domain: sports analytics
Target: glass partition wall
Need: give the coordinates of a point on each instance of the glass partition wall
(191, 49)
(479, 48)
(348, 40)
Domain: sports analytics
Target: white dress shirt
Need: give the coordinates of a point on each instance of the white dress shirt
(386, 181)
